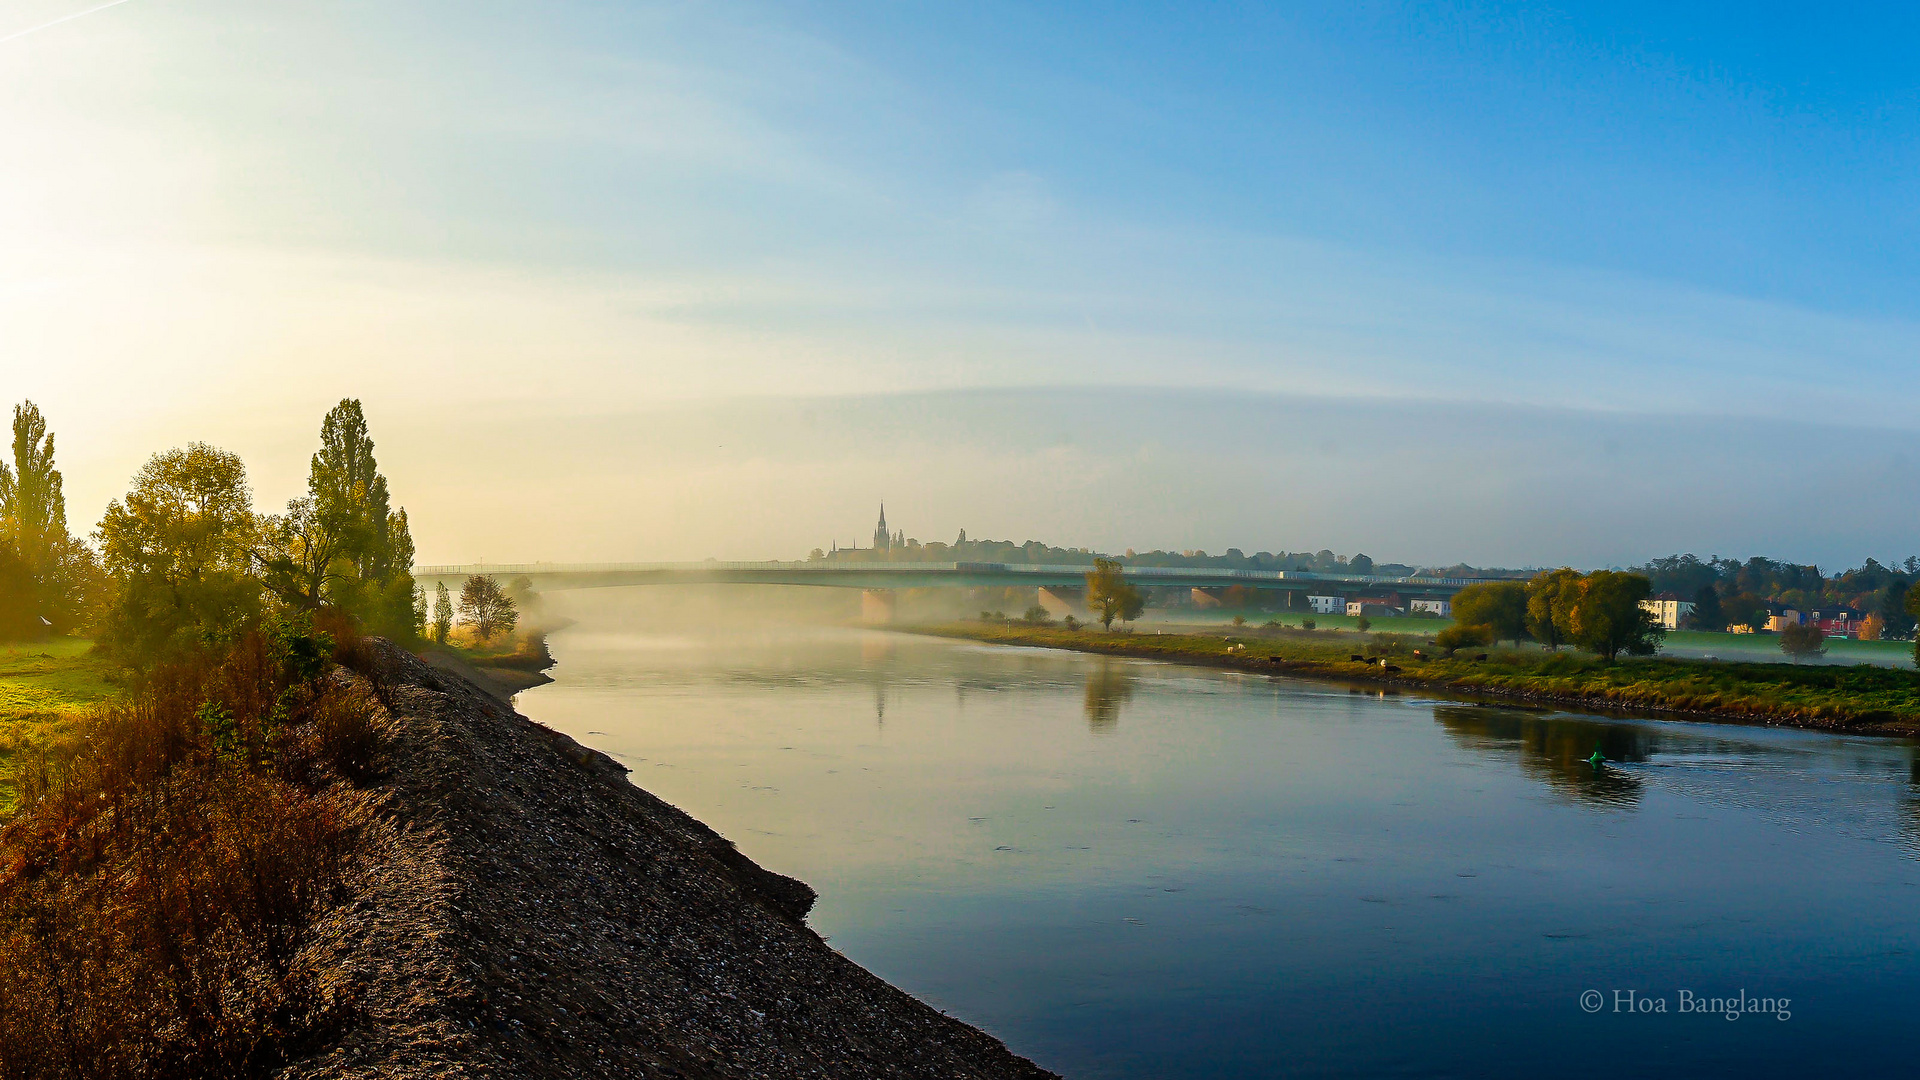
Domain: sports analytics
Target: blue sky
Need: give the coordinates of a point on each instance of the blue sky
(220, 217)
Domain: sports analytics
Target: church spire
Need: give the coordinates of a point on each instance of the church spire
(882, 539)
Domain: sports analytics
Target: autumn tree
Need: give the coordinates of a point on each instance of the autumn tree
(486, 608)
(1607, 617)
(179, 548)
(1109, 596)
(1550, 598)
(1500, 606)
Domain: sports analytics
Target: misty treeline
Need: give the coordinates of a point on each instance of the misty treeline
(183, 560)
(1729, 592)
(910, 549)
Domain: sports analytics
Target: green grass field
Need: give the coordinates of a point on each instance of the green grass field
(1683, 644)
(1404, 624)
(1862, 697)
(45, 688)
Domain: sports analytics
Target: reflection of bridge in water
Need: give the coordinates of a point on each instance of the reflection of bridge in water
(880, 579)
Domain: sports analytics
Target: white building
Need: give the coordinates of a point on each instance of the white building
(1327, 605)
(1668, 610)
(1375, 605)
(1442, 608)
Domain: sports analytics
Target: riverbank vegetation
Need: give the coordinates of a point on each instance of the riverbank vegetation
(1861, 697)
(179, 801)
(181, 563)
(164, 871)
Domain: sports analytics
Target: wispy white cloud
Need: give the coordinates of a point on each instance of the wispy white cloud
(6, 36)
(217, 218)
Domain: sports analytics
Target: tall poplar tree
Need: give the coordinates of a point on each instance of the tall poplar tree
(46, 576)
(442, 612)
(344, 544)
(33, 507)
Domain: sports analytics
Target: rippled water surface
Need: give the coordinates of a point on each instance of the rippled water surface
(1138, 869)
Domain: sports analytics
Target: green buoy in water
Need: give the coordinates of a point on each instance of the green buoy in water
(1598, 759)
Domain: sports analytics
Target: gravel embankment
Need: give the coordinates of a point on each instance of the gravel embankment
(524, 910)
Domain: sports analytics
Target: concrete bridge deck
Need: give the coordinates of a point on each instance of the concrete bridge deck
(921, 575)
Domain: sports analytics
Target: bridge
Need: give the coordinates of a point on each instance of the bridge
(879, 579)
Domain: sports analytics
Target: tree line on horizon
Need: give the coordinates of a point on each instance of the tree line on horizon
(1740, 590)
(1730, 592)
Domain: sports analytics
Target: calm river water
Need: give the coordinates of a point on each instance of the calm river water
(1138, 869)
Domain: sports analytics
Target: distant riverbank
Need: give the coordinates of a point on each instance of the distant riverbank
(504, 668)
(1864, 699)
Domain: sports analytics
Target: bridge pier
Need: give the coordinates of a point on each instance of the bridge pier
(877, 606)
(1060, 601)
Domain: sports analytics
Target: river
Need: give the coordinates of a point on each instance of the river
(1129, 868)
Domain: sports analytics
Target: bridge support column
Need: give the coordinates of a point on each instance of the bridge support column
(877, 606)
(1061, 601)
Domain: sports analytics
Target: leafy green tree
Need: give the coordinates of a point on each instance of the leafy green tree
(1607, 618)
(1109, 596)
(1707, 612)
(486, 608)
(1802, 640)
(33, 505)
(1913, 608)
(299, 559)
(51, 580)
(18, 619)
(343, 544)
(179, 549)
(1890, 604)
(1499, 605)
(1550, 597)
(1745, 609)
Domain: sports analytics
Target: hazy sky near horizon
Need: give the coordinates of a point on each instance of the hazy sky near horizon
(1497, 282)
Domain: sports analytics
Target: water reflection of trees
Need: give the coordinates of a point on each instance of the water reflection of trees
(1109, 686)
(1555, 748)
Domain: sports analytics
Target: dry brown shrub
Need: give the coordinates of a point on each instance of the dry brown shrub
(158, 885)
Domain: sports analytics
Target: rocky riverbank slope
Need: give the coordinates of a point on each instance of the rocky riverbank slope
(525, 911)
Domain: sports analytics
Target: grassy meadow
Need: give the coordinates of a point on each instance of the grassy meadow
(45, 687)
(1862, 697)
